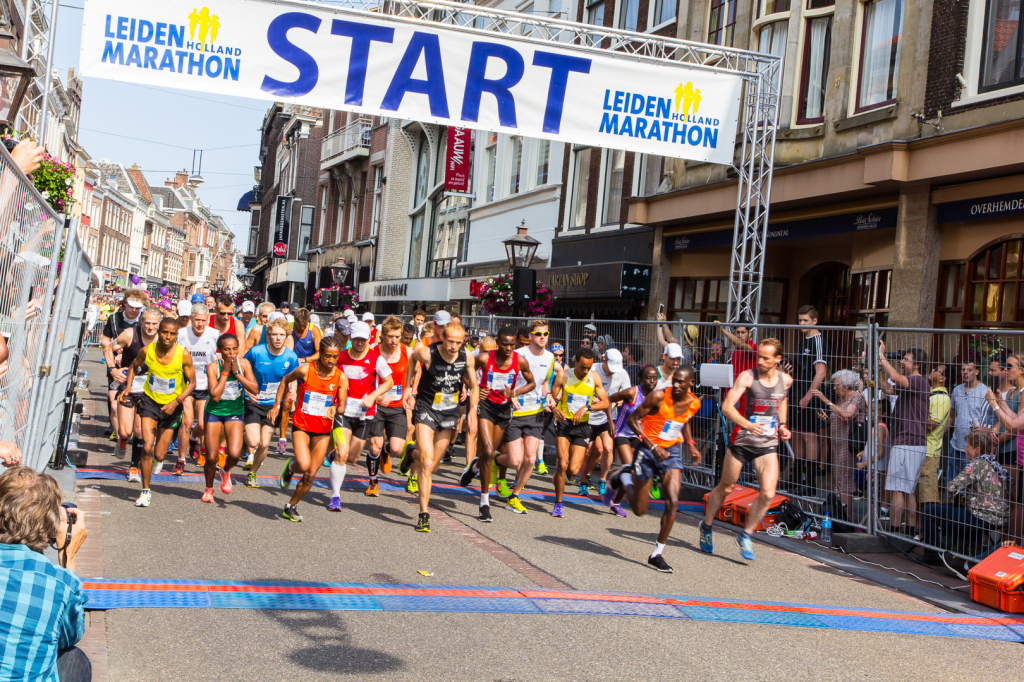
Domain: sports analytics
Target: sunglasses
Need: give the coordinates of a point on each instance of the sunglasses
(559, 355)
(539, 333)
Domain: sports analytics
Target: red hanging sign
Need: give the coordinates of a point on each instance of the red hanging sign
(456, 168)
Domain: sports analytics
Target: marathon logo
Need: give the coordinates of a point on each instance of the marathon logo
(651, 118)
(162, 46)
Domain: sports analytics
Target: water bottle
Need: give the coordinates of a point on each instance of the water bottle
(826, 530)
(85, 379)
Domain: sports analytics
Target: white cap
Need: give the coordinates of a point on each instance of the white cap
(276, 315)
(614, 359)
(348, 312)
(352, 319)
(314, 320)
(367, 316)
(442, 317)
(184, 308)
(136, 303)
(360, 330)
(590, 327)
(290, 318)
(248, 307)
(673, 350)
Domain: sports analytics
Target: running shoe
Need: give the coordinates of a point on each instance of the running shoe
(485, 514)
(502, 488)
(157, 467)
(373, 490)
(385, 461)
(619, 511)
(285, 479)
(657, 562)
(179, 467)
(133, 475)
(583, 490)
(113, 435)
(282, 445)
(515, 505)
(249, 461)
(469, 473)
(120, 452)
(225, 482)
(222, 459)
(334, 504)
(494, 473)
(423, 524)
(557, 510)
(406, 462)
(291, 513)
(542, 468)
(447, 454)
(706, 543)
(602, 485)
(144, 499)
(107, 432)
(746, 546)
(193, 450)
(607, 496)
(655, 489)
(208, 495)
(201, 461)
(413, 485)
(251, 482)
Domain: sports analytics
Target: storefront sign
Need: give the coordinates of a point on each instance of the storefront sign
(372, 63)
(978, 209)
(603, 280)
(797, 229)
(422, 289)
(474, 288)
(456, 164)
(282, 221)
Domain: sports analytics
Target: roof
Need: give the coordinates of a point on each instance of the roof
(141, 186)
(110, 169)
(171, 201)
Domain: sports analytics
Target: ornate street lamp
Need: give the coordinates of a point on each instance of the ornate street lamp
(220, 282)
(15, 75)
(247, 278)
(340, 270)
(521, 248)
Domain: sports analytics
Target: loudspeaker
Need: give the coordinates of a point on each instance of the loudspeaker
(524, 285)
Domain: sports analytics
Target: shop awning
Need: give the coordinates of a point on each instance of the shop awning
(601, 280)
(243, 203)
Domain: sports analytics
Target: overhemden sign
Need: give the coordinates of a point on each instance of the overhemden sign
(382, 65)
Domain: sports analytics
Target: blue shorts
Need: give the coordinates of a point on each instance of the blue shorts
(646, 466)
(217, 418)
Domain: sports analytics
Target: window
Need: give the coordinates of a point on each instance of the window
(880, 53)
(446, 238)
(352, 210)
(773, 38)
(422, 171)
(1002, 52)
(581, 185)
(442, 152)
(305, 229)
(322, 232)
(722, 22)
(555, 9)
(595, 12)
(191, 264)
(378, 197)
(613, 186)
(949, 303)
(664, 11)
(253, 235)
(543, 161)
(629, 11)
(516, 169)
(766, 7)
(651, 169)
(707, 299)
(416, 245)
(492, 160)
(817, 46)
(993, 293)
(869, 297)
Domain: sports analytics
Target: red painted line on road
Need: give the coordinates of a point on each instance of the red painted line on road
(632, 598)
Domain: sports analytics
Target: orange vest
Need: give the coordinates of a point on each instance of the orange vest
(665, 428)
(316, 395)
(393, 398)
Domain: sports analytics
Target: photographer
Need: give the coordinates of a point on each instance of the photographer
(47, 616)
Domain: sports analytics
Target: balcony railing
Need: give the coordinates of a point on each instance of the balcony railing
(356, 135)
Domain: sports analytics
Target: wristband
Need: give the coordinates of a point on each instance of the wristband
(691, 442)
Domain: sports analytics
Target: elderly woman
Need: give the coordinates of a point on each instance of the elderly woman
(49, 618)
(849, 407)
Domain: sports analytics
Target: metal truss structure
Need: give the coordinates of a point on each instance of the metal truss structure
(37, 49)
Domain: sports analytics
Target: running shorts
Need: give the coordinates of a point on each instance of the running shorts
(499, 415)
(529, 425)
(390, 421)
(646, 466)
(576, 434)
(748, 454)
(633, 443)
(424, 413)
(360, 428)
(597, 429)
(150, 409)
(222, 419)
(257, 414)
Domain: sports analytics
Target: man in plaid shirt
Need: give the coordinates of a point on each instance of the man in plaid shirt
(42, 606)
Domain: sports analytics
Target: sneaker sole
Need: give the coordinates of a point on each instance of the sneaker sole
(660, 570)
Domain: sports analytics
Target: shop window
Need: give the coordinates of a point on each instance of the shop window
(629, 11)
(707, 299)
(949, 300)
(880, 53)
(869, 297)
(817, 46)
(831, 289)
(1002, 57)
(722, 22)
(581, 186)
(993, 293)
(614, 167)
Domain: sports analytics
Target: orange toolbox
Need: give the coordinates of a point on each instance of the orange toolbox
(741, 511)
(997, 580)
(738, 494)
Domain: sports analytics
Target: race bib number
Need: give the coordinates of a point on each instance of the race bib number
(316, 404)
(161, 385)
(529, 401)
(671, 431)
(498, 381)
(202, 383)
(138, 384)
(354, 408)
(232, 391)
(394, 393)
(268, 391)
(577, 401)
(770, 424)
(445, 401)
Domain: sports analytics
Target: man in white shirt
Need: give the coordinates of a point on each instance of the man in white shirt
(614, 378)
(199, 339)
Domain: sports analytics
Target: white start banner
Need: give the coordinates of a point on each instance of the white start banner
(389, 66)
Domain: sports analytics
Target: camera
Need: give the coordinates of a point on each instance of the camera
(72, 511)
(10, 143)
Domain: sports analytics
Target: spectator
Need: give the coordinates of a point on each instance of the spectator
(848, 409)
(249, 315)
(558, 350)
(810, 367)
(969, 410)
(671, 360)
(1011, 422)
(880, 432)
(589, 336)
(716, 351)
(984, 484)
(44, 616)
(909, 438)
(631, 362)
(604, 342)
(1008, 390)
(663, 332)
(10, 455)
(929, 490)
(744, 354)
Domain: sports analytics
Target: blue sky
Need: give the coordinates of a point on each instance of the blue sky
(114, 112)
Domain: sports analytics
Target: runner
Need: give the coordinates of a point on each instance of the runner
(368, 378)
(184, 310)
(257, 333)
(408, 336)
(200, 340)
(626, 440)
(249, 315)
(614, 379)
(270, 363)
(761, 425)
(392, 420)
(501, 370)
(129, 315)
(225, 321)
(575, 392)
(130, 343)
(671, 359)
(304, 340)
(525, 435)
(374, 332)
(171, 380)
(433, 395)
(662, 421)
(224, 413)
(322, 388)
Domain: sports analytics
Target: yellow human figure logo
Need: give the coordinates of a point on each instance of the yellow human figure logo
(696, 100)
(193, 20)
(687, 98)
(215, 24)
(204, 25)
(679, 95)
(208, 23)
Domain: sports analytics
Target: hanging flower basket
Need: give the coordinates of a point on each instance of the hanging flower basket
(239, 297)
(496, 297)
(336, 296)
(55, 180)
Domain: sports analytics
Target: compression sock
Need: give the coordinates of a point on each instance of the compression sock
(485, 499)
(136, 453)
(337, 478)
(373, 465)
(658, 549)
